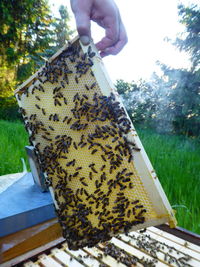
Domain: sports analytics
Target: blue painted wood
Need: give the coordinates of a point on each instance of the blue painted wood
(23, 205)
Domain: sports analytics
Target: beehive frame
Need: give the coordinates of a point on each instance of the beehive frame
(144, 196)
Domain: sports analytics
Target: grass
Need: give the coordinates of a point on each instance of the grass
(176, 160)
(13, 139)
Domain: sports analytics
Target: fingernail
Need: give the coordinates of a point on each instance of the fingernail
(85, 40)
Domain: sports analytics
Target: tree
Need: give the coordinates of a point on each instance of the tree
(62, 29)
(184, 93)
(23, 26)
(176, 94)
(189, 41)
(60, 33)
(139, 100)
(181, 102)
(28, 34)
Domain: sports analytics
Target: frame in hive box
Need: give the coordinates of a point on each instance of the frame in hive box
(100, 177)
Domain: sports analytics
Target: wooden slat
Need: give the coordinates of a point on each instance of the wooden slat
(135, 252)
(48, 261)
(180, 248)
(80, 254)
(137, 264)
(110, 261)
(195, 257)
(65, 258)
(175, 239)
(182, 233)
(132, 242)
(31, 264)
(161, 253)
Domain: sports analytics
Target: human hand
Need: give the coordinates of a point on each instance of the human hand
(106, 14)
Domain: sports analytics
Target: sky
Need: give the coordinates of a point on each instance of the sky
(147, 24)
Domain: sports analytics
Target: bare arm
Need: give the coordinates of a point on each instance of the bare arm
(106, 14)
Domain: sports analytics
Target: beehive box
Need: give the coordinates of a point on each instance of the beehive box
(99, 175)
(154, 248)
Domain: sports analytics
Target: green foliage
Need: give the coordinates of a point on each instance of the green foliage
(7, 80)
(24, 70)
(190, 40)
(183, 100)
(183, 86)
(138, 99)
(9, 109)
(170, 103)
(28, 35)
(61, 28)
(21, 25)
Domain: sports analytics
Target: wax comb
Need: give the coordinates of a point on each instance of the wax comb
(100, 177)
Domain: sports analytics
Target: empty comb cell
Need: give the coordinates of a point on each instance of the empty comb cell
(99, 174)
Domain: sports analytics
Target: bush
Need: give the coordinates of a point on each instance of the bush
(9, 109)
(168, 103)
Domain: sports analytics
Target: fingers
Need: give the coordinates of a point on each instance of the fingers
(107, 15)
(81, 12)
(115, 39)
(117, 46)
(112, 29)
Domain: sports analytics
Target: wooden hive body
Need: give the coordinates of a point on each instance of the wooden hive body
(100, 177)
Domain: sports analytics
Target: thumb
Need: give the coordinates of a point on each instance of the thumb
(83, 27)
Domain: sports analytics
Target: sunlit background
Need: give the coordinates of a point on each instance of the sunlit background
(148, 23)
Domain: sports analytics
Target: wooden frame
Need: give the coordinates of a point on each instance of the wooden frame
(149, 180)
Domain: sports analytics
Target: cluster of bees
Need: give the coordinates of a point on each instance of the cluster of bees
(81, 144)
(153, 247)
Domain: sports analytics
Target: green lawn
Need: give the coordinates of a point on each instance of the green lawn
(176, 160)
(13, 138)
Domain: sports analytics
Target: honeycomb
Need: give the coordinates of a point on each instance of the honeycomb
(81, 139)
